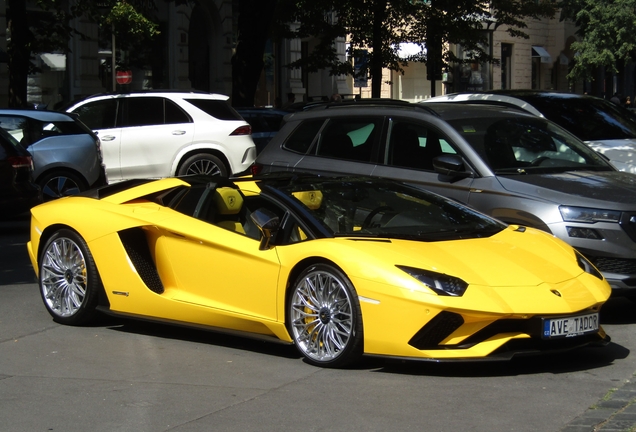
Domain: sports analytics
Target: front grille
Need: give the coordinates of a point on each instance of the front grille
(628, 223)
(614, 265)
(436, 330)
(521, 347)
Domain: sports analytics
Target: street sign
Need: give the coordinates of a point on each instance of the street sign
(124, 77)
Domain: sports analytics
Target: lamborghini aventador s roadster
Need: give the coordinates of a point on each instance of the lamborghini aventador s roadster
(340, 267)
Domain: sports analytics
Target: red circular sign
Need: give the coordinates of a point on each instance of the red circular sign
(124, 77)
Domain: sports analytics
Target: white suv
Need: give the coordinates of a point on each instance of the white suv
(163, 133)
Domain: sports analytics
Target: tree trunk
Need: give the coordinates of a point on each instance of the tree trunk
(379, 14)
(18, 53)
(254, 21)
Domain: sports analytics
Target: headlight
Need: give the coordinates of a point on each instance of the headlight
(440, 283)
(588, 215)
(587, 266)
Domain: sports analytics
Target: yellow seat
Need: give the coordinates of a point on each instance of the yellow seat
(312, 199)
(228, 203)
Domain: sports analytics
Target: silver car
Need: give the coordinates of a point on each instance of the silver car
(67, 156)
(517, 167)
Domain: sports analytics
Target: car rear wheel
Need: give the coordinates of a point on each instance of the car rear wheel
(203, 164)
(324, 317)
(69, 282)
(58, 184)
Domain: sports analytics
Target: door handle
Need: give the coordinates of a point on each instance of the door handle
(107, 138)
(178, 132)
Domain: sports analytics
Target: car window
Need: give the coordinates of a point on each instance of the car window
(414, 145)
(174, 114)
(349, 138)
(520, 144)
(303, 136)
(99, 114)
(219, 109)
(143, 111)
(589, 119)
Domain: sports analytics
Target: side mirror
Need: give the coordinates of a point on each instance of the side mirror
(268, 223)
(451, 165)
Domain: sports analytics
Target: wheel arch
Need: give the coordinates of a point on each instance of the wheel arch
(61, 169)
(44, 238)
(211, 151)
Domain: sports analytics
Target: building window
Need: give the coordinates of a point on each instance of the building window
(506, 66)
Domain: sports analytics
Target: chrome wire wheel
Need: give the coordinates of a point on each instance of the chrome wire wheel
(324, 317)
(68, 279)
(63, 277)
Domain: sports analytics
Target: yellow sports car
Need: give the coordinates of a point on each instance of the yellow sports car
(340, 267)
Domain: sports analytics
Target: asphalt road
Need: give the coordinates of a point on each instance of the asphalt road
(131, 376)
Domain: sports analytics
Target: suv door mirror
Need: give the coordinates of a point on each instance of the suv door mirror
(451, 165)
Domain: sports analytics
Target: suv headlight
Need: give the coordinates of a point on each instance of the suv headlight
(442, 284)
(588, 215)
(587, 266)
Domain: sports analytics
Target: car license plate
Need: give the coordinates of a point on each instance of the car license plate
(570, 326)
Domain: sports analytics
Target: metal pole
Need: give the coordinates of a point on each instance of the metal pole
(113, 60)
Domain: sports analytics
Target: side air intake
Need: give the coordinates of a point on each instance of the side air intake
(136, 246)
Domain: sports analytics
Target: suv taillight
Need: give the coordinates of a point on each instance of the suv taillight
(21, 161)
(242, 130)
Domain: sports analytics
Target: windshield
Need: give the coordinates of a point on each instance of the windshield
(384, 209)
(526, 145)
(590, 119)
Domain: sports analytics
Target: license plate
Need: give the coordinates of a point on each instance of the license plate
(570, 326)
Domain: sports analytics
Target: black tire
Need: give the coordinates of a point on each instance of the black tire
(58, 184)
(328, 334)
(203, 163)
(68, 279)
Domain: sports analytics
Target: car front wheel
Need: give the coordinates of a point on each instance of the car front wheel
(58, 184)
(324, 317)
(203, 164)
(68, 278)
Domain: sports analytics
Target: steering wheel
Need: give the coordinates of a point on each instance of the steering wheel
(538, 161)
(367, 220)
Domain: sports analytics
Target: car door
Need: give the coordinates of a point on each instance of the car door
(343, 145)
(218, 268)
(101, 117)
(154, 130)
(408, 156)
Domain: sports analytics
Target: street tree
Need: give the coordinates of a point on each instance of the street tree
(607, 35)
(49, 29)
(379, 27)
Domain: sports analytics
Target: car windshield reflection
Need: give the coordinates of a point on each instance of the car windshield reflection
(517, 145)
(383, 209)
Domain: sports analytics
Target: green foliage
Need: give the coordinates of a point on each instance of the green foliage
(131, 27)
(607, 31)
(382, 25)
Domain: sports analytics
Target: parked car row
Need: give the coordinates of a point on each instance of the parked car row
(517, 167)
(452, 229)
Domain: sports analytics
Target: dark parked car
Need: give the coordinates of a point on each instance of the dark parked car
(518, 167)
(67, 156)
(265, 122)
(18, 193)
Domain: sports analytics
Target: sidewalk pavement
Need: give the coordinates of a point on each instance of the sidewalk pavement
(616, 412)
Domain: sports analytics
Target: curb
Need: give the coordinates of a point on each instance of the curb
(614, 413)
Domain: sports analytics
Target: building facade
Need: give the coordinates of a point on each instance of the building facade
(196, 44)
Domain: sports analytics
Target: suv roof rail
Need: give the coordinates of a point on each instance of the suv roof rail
(369, 102)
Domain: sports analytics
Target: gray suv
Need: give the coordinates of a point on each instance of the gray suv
(517, 167)
(67, 157)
